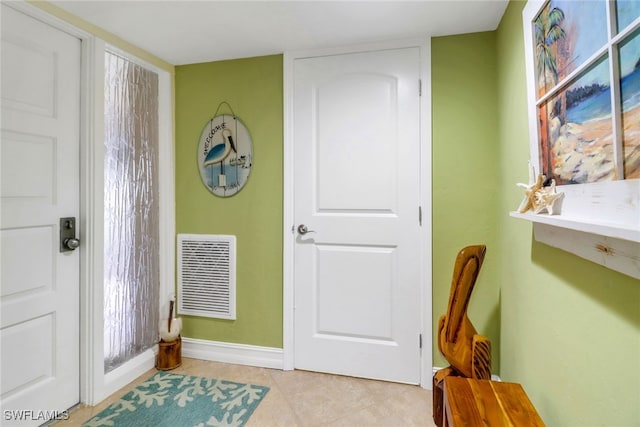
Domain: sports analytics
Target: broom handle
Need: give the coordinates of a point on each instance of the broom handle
(170, 315)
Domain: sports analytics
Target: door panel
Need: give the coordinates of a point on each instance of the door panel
(356, 109)
(18, 263)
(39, 153)
(31, 346)
(31, 89)
(357, 187)
(339, 296)
(27, 164)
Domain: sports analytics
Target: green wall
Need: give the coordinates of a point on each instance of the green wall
(465, 175)
(253, 88)
(570, 328)
(566, 328)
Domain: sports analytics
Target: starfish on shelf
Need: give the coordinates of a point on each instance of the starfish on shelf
(547, 198)
(538, 198)
(530, 201)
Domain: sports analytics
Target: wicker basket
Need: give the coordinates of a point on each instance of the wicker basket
(169, 354)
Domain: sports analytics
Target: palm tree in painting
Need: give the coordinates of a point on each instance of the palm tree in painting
(547, 31)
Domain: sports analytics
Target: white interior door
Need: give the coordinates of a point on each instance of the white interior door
(356, 129)
(39, 293)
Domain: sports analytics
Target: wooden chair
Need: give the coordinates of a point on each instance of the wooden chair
(468, 353)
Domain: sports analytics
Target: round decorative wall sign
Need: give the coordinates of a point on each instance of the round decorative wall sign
(225, 155)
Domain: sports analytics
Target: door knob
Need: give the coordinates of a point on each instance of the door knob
(71, 244)
(302, 229)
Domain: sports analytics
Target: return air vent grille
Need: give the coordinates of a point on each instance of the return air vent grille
(207, 275)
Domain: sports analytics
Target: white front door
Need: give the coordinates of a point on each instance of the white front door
(39, 288)
(356, 131)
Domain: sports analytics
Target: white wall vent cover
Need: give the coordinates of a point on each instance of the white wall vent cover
(207, 275)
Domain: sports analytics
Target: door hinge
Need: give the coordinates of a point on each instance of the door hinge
(420, 215)
(419, 87)
(420, 340)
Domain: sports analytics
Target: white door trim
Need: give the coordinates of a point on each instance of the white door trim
(94, 384)
(425, 195)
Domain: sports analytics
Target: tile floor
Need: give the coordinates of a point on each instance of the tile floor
(302, 398)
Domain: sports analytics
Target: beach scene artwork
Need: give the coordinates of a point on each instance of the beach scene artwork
(575, 120)
(630, 94)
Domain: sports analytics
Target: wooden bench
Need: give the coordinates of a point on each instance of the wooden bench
(471, 403)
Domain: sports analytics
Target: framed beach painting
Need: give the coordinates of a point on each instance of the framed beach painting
(586, 67)
(583, 90)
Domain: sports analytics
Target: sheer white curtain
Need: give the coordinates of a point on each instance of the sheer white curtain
(131, 270)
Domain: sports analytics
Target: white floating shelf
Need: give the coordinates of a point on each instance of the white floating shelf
(612, 245)
(615, 230)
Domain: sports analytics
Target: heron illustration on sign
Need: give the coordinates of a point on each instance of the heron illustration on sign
(224, 155)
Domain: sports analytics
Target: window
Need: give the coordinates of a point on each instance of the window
(131, 210)
(583, 90)
(587, 77)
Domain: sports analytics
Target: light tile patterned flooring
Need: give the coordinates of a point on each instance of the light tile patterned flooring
(302, 398)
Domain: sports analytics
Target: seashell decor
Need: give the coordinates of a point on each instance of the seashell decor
(539, 198)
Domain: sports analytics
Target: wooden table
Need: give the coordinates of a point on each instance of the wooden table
(473, 403)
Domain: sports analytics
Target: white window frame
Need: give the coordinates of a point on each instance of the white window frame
(599, 221)
(131, 369)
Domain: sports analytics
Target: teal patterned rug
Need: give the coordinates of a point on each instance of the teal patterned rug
(174, 400)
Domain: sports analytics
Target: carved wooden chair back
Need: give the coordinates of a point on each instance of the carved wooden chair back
(458, 339)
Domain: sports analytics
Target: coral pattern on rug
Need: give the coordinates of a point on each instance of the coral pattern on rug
(168, 399)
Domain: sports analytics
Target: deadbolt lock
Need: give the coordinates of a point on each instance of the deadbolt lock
(68, 240)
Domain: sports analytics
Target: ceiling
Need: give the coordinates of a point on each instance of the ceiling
(186, 32)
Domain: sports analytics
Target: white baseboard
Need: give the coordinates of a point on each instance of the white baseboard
(493, 377)
(240, 354)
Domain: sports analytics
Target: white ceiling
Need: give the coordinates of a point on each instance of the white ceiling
(186, 32)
